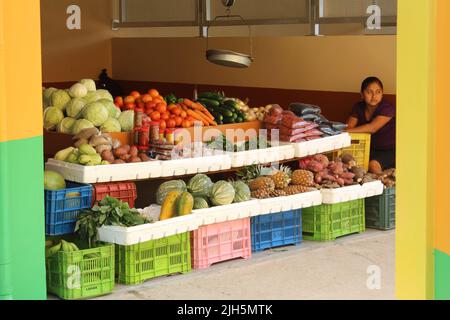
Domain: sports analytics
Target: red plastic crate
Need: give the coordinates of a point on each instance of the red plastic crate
(220, 242)
(124, 191)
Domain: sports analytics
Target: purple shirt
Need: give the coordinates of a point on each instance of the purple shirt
(384, 139)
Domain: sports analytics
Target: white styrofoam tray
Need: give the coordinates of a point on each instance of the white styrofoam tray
(288, 203)
(105, 173)
(146, 232)
(350, 193)
(327, 144)
(225, 213)
(186, 166)
(261, 156)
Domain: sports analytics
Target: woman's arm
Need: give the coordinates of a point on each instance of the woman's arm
(373, 127)
(352, 122)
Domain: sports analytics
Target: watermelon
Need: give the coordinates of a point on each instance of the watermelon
(166, 187)
(222, 193)
(200, 185)
(242, 191)
(200, 203)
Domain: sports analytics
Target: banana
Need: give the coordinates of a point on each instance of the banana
(53, 250)
(66, 247)
(74, 247)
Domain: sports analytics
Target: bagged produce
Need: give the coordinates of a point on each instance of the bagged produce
(301, 109)
(314, 132)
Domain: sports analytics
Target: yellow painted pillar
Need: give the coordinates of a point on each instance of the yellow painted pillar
(415, 149)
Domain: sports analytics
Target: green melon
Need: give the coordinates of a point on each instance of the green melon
(222, 193)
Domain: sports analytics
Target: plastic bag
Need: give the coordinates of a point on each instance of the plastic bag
(152, 212)
(301, 109)
(294, 131)
(313, 138)
(273, 118)
(312, 133)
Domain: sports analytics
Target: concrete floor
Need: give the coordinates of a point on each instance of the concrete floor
(313, 270)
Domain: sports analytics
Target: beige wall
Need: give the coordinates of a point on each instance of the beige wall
(310, 63)
(292, 62)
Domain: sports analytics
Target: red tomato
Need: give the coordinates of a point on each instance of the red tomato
(171, 123)
(135, 94)
(156, 116)
(162, 125)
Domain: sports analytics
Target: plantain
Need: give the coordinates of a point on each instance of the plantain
(66, 247)
(74, 247)
(53, 250)
(169, 205)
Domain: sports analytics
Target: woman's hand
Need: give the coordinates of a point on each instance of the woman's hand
(372, 127)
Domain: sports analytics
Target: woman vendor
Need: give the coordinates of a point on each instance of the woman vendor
(376, 116)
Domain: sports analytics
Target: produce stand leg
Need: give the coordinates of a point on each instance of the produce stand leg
(22, 239)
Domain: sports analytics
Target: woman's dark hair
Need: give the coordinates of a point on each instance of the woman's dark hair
(368, 81)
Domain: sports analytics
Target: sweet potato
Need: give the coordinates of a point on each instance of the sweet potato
(134, 151)
(108, 156)
(341, 182)
(322, 159)
(103, 147)
(144, 157)
(125, 157)
(347, 176)
(315, 166)
(134, 159)
(118, 161)
(121, 151)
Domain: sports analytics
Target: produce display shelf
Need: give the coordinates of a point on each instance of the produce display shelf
(350, 193)
(225, 213)
(327, 144)
(289, 203)
(261, 156)
(147, 232)
(180, 167)
(105, 173)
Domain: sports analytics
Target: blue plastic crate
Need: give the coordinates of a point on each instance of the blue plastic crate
(63, 207)
(276, 229)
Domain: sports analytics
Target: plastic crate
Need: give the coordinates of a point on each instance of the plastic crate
(330, 221)
(140, 262)
(276, 229)
(380, 211)
(220, 242)
(124, 191)
(360, 149)
(81, 274)
(63, 207)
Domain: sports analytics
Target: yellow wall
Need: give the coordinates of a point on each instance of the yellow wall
(310, 63)
(415, 149)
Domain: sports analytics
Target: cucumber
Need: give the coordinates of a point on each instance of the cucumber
(239, 120)
(225, 106)
(232, 104)
(235, 116)
(225, 112)
(209, 103)
(228, 120)
(211, 95)
(217, 116)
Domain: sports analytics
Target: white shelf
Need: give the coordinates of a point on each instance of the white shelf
(288, 203)
(187, 166)
(230, 212)
(105, 173)
(345, 194)
(261, 156)
(146, 232)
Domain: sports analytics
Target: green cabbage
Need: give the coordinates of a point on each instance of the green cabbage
(60, 98)
(89, 84)
(74, 107)
(91, 97)
(47, 96)
(78, 91)
(104, 94)
(111, 125)
(80, 125)
(65, 126)
(126, 120)
(96, 113)
(52, 116)
(53, 181)
(113, 110)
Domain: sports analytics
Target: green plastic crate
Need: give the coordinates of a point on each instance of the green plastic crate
(330, 221)
(140, 262)
(81, 274)
(380, 211)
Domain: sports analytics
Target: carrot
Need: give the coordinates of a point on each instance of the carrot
(188, 103)
(208, 114)
(196, 116)
(205, 118)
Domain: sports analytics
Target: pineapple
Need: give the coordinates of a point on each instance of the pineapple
(278, 193)
(262, 183)
(281, 177)
(252, 172)
(303, 178)
(261, 194)
(291, 190)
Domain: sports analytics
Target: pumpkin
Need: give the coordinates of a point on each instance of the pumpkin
(242, 191)
(222, 193)
(166, 187)
(200, 185)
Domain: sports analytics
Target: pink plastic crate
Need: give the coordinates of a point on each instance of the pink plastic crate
(220, 242)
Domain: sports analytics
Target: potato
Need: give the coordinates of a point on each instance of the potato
(134, 159)
(103, 147)
(108, 156)
(125, 157)
(118, 161)
(127, 147)
(144, 157)
(119, 152)
(134, 151)
(86, 134)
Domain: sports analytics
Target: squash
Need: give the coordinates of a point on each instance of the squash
(166, 187)
(200, 185)
(222, 193)
(242, 191)
(169, 205)
(185, 204)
